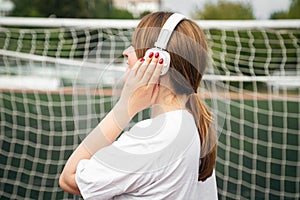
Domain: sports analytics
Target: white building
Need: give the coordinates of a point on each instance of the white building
(136, 7)
(6, 6)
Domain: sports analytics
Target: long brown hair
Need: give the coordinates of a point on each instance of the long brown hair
(189, 57)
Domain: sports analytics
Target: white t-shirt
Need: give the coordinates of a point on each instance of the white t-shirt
(157, 159)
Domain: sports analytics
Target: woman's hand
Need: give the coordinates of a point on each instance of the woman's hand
(142, 85)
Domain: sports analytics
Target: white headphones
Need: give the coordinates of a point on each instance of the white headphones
(163, 39)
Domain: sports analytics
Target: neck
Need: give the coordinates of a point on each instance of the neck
(167, 101)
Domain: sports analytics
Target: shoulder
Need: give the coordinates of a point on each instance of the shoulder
(152, 135)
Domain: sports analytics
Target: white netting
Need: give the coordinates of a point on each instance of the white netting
(55, 85)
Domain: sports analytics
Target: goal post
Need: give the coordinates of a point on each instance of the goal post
(57, 78)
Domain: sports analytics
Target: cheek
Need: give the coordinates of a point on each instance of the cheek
(125, 75)
(132, 59)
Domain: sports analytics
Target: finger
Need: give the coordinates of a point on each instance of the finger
(151, 68)
(156, 74)
(144, 66)
(137, 65)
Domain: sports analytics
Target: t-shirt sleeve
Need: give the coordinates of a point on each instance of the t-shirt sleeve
(100, 176)
(95, 181)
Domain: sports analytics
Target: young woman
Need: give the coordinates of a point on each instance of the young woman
(170, 156)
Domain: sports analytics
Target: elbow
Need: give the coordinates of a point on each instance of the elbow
(68, 184)
(63, 184)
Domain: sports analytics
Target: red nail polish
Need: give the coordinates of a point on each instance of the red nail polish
(142, 59)
(161, 61)
(156, 55)
(151, 55)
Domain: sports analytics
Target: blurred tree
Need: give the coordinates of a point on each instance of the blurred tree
(117, 13)
(279, 15)
(105, 9)
(68, 9)
(143, 14)
(46, 8)
(26, 8)
(225, 10)
(99, 9)
(292, 13)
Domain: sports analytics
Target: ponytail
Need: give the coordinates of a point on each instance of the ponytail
(204, 121)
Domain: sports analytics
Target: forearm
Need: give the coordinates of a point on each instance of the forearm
(103, 135)
(108, 129)
(67, 178)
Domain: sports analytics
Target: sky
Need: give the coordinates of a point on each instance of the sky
(261, 8)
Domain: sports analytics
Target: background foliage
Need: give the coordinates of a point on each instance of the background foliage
(222, 10)
(69, 9)
(225, 10)
(292, 13)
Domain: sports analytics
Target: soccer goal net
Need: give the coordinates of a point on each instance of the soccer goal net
(57, 78)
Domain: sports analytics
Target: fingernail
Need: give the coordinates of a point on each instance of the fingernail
(142, 59)
(161, 61)
(151, 55)
(156, 55)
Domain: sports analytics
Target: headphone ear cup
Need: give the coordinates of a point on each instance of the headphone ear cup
(166, 64)
(163, 54)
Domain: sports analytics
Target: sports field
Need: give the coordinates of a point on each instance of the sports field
(40, 130)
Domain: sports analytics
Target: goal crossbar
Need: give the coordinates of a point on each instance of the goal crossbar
(111, 23)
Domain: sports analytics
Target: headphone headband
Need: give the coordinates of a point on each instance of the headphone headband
(167, 30)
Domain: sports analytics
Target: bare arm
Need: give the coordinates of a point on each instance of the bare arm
(67, 178)
(86, 149)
